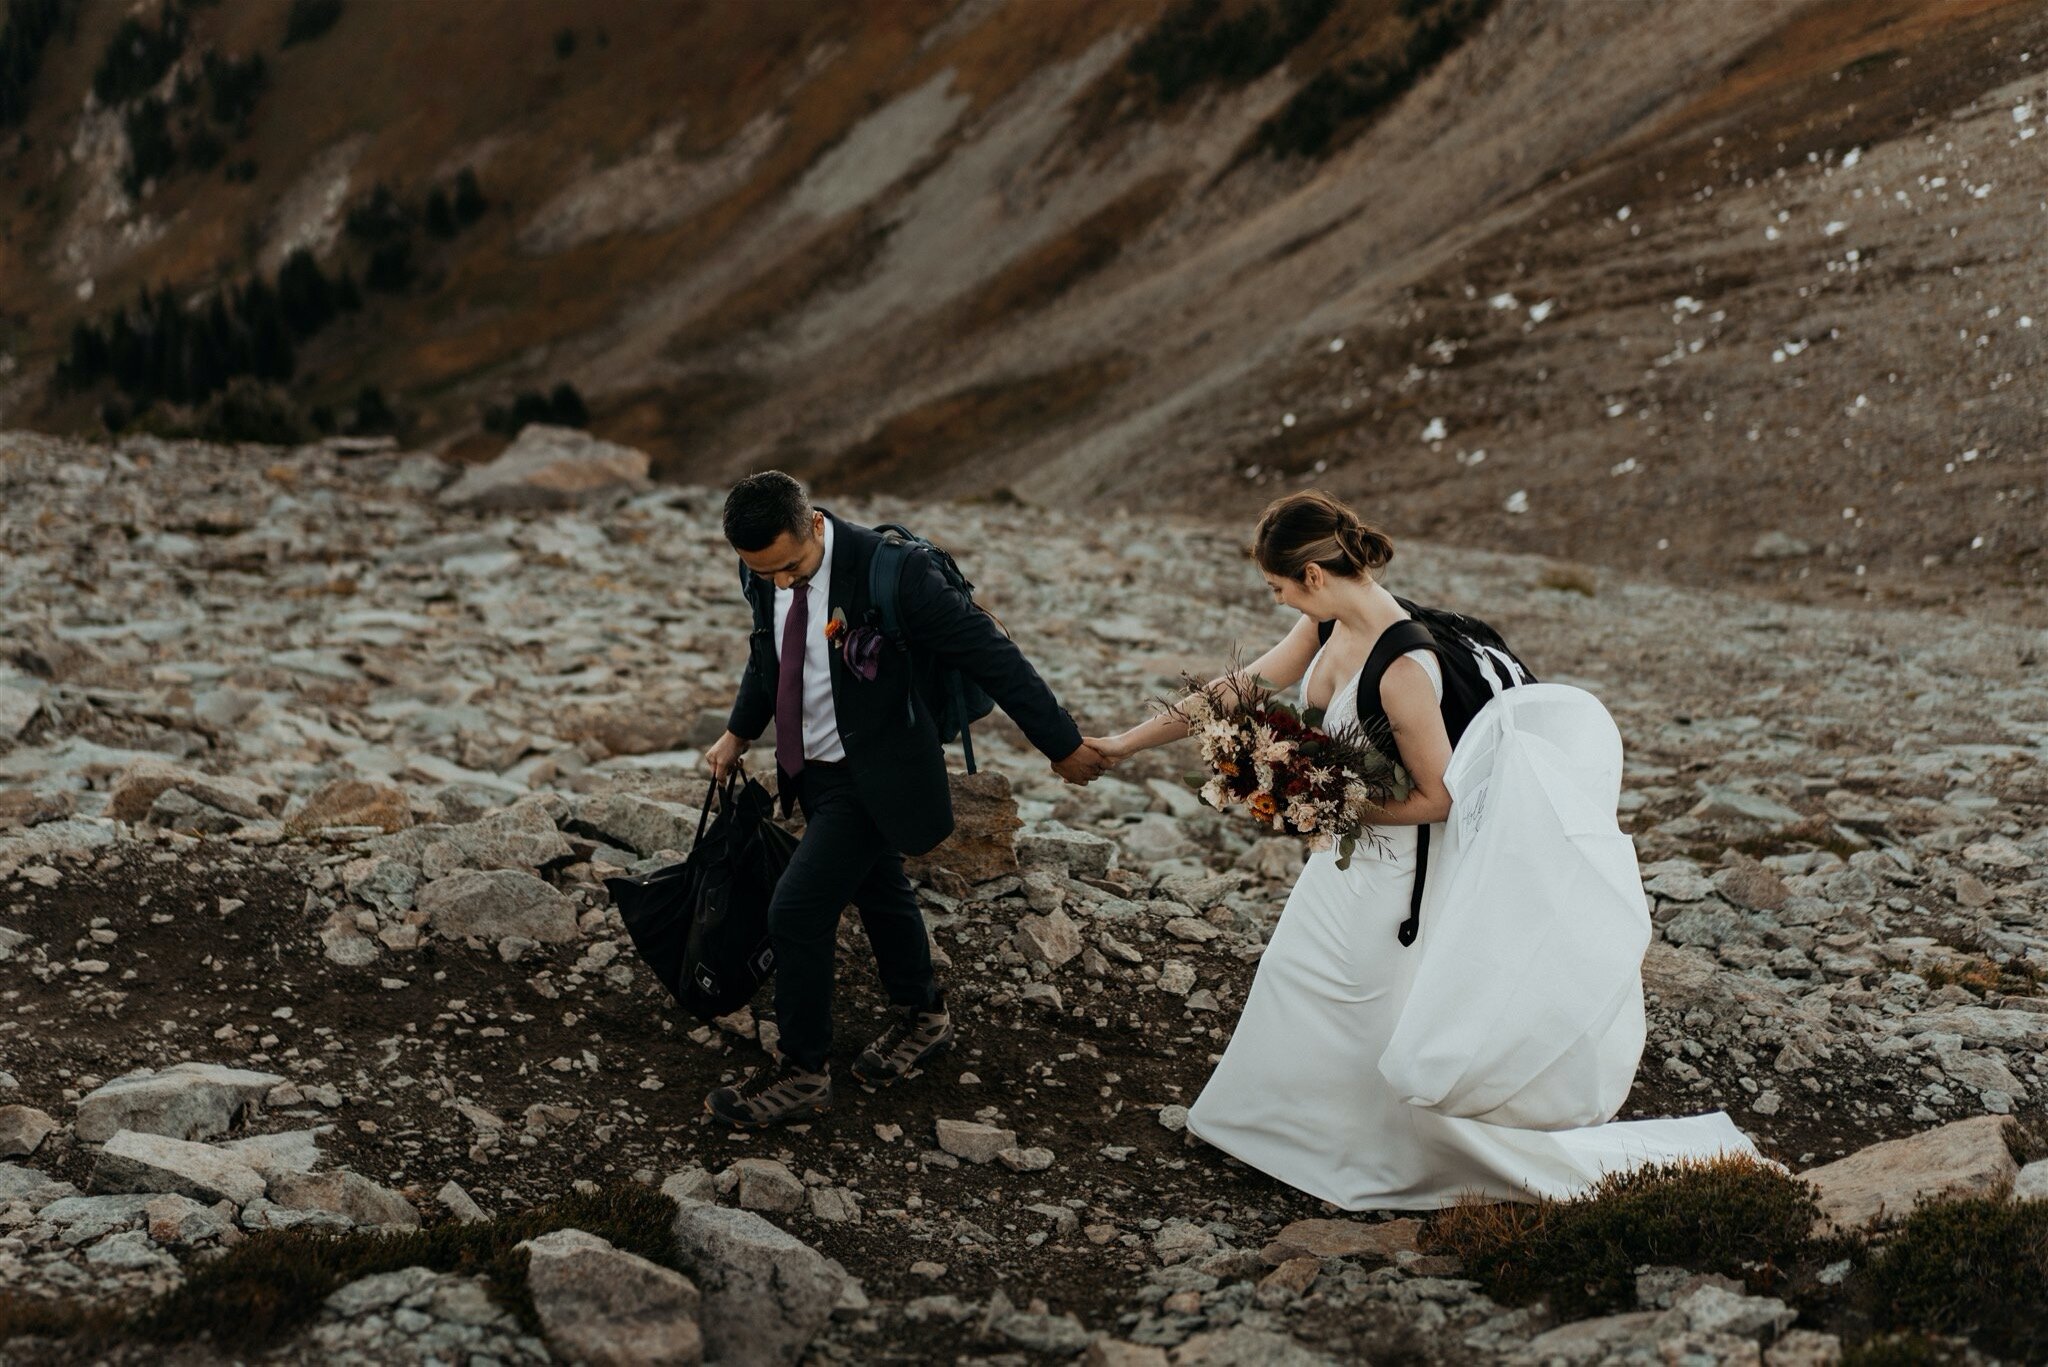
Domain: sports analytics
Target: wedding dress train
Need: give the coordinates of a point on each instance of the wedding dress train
(1299, 1093)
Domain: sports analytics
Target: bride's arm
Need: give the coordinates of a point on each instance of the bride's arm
(1409, 699)
(1281, 666)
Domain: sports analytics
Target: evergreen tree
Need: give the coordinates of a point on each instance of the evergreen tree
(566, 407)
(469, 198)
(440, 215)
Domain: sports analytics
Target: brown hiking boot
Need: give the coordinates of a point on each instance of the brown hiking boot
(915, 1037)
(772, 1096)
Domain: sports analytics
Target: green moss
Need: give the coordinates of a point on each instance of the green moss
(273, 1284)
(1734, 1216)
(1976, 1267)
(1900, 1350)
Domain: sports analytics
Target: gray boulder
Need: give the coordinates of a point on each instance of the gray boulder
(23, 1130)
(496, 903)
(609, 1308)
(344, 1193)
(186, 1101)
(133, 1162)
(766, 1293)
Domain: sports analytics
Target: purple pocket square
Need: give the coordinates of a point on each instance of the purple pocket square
(863, 652)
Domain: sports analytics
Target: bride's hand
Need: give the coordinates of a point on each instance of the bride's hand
(1110, 748)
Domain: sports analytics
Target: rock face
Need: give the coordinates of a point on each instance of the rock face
(766, 1293)
(611, 1308)
(344, 1193)
(23, 1130)
(985, 824)
(140, 786)
(973, 1141)
(550, 467)
(355, 802)
(134, 1162)
(495, 903)
(1883, 1182)
(186, 1101)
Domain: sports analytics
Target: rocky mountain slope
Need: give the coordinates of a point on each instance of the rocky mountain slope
(1725, 290)
(313, 760)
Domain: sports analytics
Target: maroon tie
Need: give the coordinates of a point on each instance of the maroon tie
(789, 685)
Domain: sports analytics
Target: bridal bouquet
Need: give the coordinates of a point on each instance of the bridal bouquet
(1279, 764)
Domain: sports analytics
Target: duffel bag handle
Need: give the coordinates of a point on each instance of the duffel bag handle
(732, 781)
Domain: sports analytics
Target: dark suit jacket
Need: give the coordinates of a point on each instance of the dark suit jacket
(892, 743)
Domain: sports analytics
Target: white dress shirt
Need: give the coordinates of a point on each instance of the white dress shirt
(821, 722)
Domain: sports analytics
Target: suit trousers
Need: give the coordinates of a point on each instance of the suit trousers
(841, 858)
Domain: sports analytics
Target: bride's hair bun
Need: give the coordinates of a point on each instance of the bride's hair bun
(1316, 528)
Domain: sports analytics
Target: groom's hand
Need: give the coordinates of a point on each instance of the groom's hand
(1083, 766)
(724, 754)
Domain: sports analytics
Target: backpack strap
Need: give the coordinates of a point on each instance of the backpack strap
(1396, 641)
(885, 581)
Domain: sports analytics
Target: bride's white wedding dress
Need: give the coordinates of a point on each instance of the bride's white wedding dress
(1299, 1094)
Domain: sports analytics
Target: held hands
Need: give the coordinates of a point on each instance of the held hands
(1084, 766)
(724, 755)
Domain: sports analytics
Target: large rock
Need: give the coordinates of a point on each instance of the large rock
(521, 836)
(344, 1193)
(974, 1141)
(550, 467)
(186, 1101)
(355, 802)
(983, 844)
(494, 903)
(23, 1130)
(766, 1184)
(1052, 844)
(640, 824)
(609, 1308)
(135, 792)
(1343, 1239)
(1883, 1182)
(1052, 939)
(273, 1154)
(766, 1293)
(134, 1162)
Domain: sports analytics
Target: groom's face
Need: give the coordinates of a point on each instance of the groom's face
(790, 560)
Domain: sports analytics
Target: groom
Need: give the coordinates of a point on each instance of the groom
(862, 756)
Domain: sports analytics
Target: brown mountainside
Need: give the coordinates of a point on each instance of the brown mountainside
(1722, 289)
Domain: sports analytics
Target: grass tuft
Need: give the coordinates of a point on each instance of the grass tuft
(1731, 1215)
(2026, 1135)
(1975, 1267)
(273, 1284)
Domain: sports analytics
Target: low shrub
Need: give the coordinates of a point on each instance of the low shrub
(268, 1287)
(1731, 1215)
(1976, 1267)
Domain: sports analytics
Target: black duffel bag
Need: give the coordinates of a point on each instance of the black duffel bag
(702, 925)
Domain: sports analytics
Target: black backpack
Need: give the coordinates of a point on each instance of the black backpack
(702, 925)
(957, 701)
(1476, 664)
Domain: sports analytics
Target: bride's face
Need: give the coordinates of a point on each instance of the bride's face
(1306, 595)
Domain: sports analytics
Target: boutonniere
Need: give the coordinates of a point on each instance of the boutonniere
(860, 647)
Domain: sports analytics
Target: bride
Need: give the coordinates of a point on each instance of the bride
(1298, 1094)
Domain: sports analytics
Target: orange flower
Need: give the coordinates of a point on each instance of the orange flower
(1262, 806)
(834, 628)
(1226, 768)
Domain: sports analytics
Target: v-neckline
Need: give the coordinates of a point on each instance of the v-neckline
(1317, 659)
(1341, 686)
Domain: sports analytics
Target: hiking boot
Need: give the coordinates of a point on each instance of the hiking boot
(916, 1036)
(772, 1096)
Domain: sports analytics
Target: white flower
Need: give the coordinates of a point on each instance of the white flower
(1275, 752)
(1197, 708)
(1302, 815)
(1214, 793)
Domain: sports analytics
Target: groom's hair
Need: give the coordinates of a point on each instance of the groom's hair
(762, 507)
